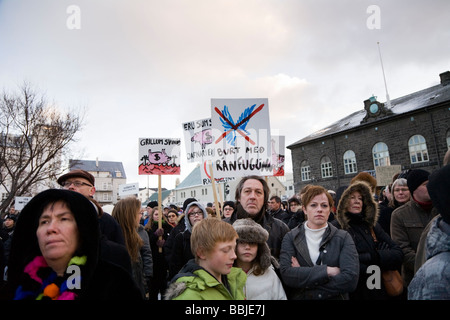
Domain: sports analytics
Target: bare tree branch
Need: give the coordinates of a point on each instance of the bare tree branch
(34, 138)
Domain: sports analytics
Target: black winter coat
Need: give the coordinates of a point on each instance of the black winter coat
(383, 252)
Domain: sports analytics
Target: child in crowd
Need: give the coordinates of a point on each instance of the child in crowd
(253, 256)
(211, 275)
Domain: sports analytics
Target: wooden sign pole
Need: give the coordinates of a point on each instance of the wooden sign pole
(160, 212)
(221, 200)
(213, 183)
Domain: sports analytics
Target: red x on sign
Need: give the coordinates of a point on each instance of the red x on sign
(236, 126)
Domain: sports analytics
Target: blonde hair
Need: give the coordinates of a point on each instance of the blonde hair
(125, 212)
(208, 232)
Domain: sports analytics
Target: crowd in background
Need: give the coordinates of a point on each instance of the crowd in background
(317, 245)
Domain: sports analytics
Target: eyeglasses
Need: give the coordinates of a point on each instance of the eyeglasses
(195, 213)
(172, 216)
(228, 209)
(67, 184)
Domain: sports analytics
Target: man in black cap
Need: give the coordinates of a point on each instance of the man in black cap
(409, 220)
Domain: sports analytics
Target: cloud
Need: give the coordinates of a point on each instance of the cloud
(142, 68)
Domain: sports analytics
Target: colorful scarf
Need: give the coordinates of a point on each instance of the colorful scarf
(42, 283)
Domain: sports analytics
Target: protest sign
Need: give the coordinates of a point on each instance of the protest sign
(20, 202)
(241, 131)
(128, 189)
(278, 155)
(159, 156)
(384, 174)
(198, 140)
(206, 176)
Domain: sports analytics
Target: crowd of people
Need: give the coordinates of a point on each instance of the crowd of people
(318, 245)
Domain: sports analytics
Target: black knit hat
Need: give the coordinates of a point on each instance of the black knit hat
(152, 204)
(415, 178)
(439, 189)
(187, 202)
(229, 203)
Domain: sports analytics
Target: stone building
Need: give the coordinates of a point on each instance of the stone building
(413, 132)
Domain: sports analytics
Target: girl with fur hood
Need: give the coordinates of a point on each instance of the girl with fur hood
(357, 213)
(253, 256)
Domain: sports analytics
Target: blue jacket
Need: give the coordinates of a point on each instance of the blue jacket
(432, 280)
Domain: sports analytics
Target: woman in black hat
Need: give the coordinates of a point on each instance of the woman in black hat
(55, 253)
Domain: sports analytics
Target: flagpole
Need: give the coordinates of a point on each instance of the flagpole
(388, 100)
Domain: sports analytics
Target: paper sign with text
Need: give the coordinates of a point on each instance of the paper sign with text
(159, 156)
(128, 189)
(278, 155)
(198, 140)
(242, 140)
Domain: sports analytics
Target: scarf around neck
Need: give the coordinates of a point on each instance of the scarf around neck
(40, 282)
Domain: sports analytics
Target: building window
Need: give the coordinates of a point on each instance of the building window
(326, 167)
(305, 171)
(418, 149)
(350, 162)
(380, 154)
(107, 197)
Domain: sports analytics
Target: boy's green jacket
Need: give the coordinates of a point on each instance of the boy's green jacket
(195, 283)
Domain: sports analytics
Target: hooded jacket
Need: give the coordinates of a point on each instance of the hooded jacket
(99, 279)
(432, 280)
(262, 283)
(195, 283)
(383, 251)
(181, 250)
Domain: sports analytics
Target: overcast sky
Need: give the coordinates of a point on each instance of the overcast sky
(141, 67)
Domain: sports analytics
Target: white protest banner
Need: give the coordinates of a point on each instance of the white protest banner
(241, 129)
(198, 140)
(20, 202)
(206, 176)
(128, 189)
(278, 155)
(159, 156)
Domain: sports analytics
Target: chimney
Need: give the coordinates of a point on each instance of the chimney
(445, 78)
(96, 162)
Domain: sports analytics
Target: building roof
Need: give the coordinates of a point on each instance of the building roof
(192, 180)
(103, 166)
(154, 197)
(409, 103)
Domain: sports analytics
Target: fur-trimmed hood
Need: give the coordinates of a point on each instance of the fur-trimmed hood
(370, 207)
(251, 232)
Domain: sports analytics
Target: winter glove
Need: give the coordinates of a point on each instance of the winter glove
(159, 232)
(383, 246)
(160, 243)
